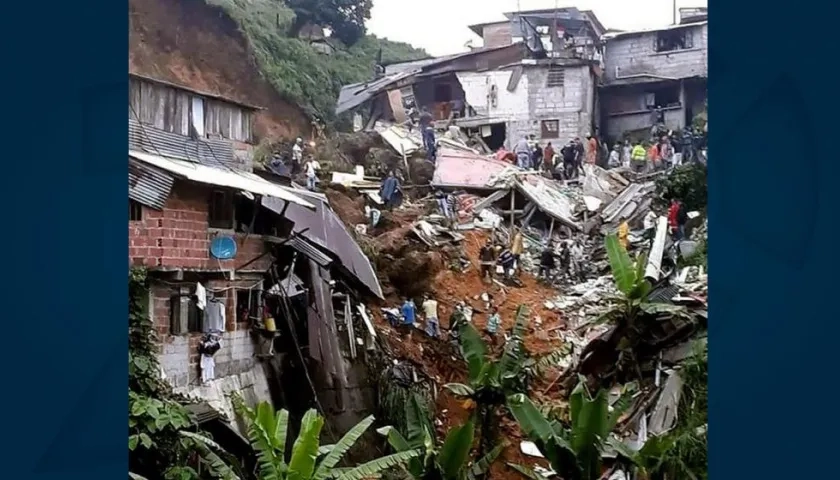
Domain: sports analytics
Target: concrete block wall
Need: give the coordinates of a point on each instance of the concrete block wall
(571, 103)
(635, 54)
(178, 236)
(509, 105)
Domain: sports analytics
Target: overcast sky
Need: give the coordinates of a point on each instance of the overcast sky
(440, 26)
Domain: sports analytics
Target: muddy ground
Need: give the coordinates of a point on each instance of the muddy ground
(407, 267)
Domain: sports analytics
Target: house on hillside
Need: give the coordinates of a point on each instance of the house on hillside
(266, 270)
(646, 70)
(536, 75)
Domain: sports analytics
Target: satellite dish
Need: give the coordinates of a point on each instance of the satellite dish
(223, 247)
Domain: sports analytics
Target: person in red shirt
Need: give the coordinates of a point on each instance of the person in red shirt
(674, 217)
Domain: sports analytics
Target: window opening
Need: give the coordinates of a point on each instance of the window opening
(556, 76)
(672, 40)
(220, 211)
(135, 211)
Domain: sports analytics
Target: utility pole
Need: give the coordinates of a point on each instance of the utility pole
(675, 12)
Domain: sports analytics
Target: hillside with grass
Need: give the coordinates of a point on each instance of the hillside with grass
(297, 70)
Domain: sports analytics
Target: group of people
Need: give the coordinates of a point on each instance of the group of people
(497, 259)
(461, 315)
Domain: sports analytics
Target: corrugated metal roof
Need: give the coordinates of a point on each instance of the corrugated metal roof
(459, 168)
(351, 96)
(328, 232)
(310, 250)
(148, 185)
(218, 152)
(246, 181)
(548, 198)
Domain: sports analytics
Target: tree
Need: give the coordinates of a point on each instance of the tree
(308, 460)
(346, 18)
(574, 452)
(438, 462)
(633, 318)
(492, 381)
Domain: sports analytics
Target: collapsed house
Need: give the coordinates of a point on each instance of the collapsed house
(255, 287)
(542, 82)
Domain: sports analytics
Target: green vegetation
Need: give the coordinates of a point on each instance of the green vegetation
(163, 441)
(449, 461)
(309, 460)
(491, 381)
(686, 183)
(297, 70)
(574, 452)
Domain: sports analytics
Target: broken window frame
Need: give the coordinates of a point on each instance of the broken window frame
(556, 77)
(184, 315)
(673, 40)
(549, 132)
(254, 303)
(220, 210)
(135, 211)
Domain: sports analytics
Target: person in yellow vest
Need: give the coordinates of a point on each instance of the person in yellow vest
(637, 158)
(623, 232)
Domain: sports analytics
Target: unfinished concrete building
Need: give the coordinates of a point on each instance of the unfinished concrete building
(663, 69)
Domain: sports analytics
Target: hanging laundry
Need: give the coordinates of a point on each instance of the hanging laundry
(201, 296)
(208, 347)
(214, 316)
(208, 368)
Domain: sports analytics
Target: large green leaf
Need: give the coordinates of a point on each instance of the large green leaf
(474, 351)
(281, 426)
(533, 424)
(510, 364)
(456, 449)
(270, 462)
(305, 449)
(589, 430)
(209, 449)
(395, 439)
(482, 466)
(341, 447)
(621, 265)
(460, 389)
(417, 420)
(373, 467)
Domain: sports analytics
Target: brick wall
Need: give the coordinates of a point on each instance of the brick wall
(633, 55)
(497, 35)
(178, 236)
(179, 353)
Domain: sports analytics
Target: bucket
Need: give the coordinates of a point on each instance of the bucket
(269, 324)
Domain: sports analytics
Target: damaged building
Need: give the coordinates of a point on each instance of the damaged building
(662, 69)
(254, 286)
(539, 79)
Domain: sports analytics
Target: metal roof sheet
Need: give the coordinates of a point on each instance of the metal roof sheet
(325, 229)
(614, 35)
(246, 181)
(460, 168)
(148, 185)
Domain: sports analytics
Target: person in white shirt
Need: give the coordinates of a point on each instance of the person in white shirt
(311, 168)
(430, 310)
(297, 155)
(615, 156)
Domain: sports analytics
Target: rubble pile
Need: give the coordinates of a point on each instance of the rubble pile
(419, 251)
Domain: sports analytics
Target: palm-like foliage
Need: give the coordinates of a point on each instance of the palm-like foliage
(449, 461)
(491, 381)
(309, 460)
(575, 451)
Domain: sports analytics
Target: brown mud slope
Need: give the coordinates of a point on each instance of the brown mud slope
(191, 43)
(402, 271)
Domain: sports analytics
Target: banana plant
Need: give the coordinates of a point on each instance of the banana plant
(309, 460)
(574, 452)
(439, 462)
(491, 381)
